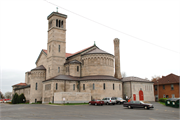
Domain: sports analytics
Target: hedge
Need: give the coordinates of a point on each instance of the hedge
(162, 99)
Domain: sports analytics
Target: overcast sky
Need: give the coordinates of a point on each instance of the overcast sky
(24, 25)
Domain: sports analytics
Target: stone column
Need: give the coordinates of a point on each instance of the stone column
(117, 59)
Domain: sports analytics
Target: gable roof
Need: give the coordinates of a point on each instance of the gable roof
(20, 84)
(169, 79)
(134, 79)
(97, 51)
(45, 53)
(82, 51)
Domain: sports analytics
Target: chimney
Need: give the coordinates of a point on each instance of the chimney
(117, 59)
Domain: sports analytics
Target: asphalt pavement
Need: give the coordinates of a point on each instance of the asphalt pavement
(77, 112)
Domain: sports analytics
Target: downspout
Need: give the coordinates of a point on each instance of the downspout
(64, 85)
(122, 89)
(130, 90)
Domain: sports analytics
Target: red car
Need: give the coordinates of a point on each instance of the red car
(96, 102)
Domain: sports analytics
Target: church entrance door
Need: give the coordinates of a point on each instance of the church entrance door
(134, 97)
(141, 97)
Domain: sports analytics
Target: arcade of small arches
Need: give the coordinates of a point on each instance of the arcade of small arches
(38, 74)
(98, 60)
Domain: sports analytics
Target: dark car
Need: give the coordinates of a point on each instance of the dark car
(138, 104)
(96, 102)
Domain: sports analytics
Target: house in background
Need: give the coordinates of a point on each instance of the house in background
(167, 87)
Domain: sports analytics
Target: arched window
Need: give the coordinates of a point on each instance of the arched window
(36, 87)
(93, 86)
(62, 23)
(73, 86)
(56, 22)
(50, 24)
(113, 86)
(56, 86)
(83, 86)
(77, 68)
(59, 23)
(104, 86)
(119, 87)
(58, 69)
(59, 48)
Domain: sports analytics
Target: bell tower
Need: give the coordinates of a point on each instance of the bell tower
(56, 45)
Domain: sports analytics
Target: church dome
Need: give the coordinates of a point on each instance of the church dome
(97, 62)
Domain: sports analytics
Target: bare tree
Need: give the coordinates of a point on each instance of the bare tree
(8, 95)
(123, 74)
(155, 78)
(1, 95)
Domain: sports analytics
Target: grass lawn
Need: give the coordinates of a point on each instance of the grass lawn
(69, 104)
(162, 103)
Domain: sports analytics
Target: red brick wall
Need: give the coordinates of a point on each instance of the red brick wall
(167, 91)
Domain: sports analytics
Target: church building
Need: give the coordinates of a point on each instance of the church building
(90, 73)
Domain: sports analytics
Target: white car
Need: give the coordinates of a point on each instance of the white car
(109, 100)
(119, 100)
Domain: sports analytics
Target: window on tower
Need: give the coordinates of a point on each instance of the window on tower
(62, 23)
(59, 23)
(50, 24)
(56, 22)
(59, 48)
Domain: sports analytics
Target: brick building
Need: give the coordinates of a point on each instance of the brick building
(167, 87)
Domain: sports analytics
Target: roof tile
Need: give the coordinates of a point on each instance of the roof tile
(169, 79)
(20, 84)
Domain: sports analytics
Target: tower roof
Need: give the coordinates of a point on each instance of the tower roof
(41, 67)
(57, 14)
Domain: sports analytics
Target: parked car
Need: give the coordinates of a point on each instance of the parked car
(109, 100)
(119, 100)
(96, 102)
(138, 104)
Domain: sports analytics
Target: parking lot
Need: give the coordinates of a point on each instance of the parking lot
(43, 111)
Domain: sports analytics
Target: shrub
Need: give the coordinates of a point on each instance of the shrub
(40, 102)
(49, 102)
(22, 98)
(15, 99)
(162, 99)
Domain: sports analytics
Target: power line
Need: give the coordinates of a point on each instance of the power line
(112, 28)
